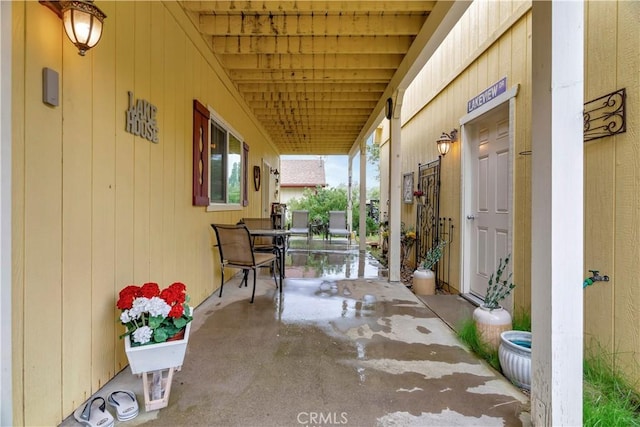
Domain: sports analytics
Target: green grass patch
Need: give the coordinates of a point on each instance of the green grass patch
(608, 399)
(521, 320)
(468, 334)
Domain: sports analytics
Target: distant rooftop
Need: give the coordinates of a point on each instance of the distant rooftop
(302, 173)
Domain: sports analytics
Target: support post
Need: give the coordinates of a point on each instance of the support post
(395, 188)
(363, 197)
(557, 213)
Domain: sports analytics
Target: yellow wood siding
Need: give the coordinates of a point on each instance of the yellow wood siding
(96, 208)
(627, 214)
(18, 222)
(470, 60)
(612, 185)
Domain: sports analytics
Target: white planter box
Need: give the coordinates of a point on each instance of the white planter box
(155, 357)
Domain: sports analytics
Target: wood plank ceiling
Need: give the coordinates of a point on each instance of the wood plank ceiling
(313, 72)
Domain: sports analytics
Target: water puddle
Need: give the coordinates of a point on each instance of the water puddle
(331, 265)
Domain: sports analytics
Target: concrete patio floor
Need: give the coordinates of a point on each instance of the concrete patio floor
(355, 352)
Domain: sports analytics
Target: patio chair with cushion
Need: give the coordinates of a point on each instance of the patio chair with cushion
(338, 225)
(300, 223)
(236, 251)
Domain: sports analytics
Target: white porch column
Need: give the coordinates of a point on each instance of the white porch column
(557, 213)
(362, 225)
(6, 391)
(349, 195)
(395, 187)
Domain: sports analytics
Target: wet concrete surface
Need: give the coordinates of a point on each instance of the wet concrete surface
(335, 260)
(329, 351)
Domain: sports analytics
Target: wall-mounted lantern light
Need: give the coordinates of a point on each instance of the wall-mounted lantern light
(445, 141)
(82, 22)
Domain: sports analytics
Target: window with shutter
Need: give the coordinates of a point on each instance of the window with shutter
(220, 161)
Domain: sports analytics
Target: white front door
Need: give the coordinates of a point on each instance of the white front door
(488, 204)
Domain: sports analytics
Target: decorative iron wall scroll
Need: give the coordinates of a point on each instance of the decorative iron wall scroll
(605, 116)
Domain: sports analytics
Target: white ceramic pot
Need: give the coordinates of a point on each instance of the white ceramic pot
(424, 282)
(491, 323)
(155, 357)
(515, 357)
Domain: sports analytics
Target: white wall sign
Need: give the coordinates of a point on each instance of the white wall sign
(141, 119)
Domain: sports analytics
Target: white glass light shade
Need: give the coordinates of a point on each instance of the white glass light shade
(444, 144)
(82, 23)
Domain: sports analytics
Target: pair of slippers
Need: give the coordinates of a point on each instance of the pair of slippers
(94, 413)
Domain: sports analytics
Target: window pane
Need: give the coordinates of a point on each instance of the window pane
(217, 164)
(234, 162)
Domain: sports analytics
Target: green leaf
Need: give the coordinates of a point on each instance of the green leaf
(155, 322)
(160, 335)
(180, 322)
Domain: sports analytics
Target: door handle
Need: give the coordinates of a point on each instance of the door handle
(472, 217)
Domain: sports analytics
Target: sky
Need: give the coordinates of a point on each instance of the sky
(336, 169)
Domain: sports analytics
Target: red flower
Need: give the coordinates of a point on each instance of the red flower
(175, 293)
(169, 296)
(125, 302)
(150, 290)
(178, 287)
(175, 296)
(176, 311)
(127, 295)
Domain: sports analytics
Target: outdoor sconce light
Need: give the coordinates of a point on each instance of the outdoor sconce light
(82, 22)
(445, 141)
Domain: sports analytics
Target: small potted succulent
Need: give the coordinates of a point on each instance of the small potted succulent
(424, 279)
(491, 318)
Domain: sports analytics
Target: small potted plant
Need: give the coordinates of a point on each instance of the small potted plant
(157, 325)
(407, 240)
(491, 318)
(157, 332)
(424, 279)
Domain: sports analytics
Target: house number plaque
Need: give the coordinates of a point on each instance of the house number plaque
(141, 119)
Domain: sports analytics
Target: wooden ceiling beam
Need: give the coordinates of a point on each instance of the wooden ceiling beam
(339, 136)
(313, 104)
(294, 6)
(313, 72)
(314, 121)
(311, 44)
(250, 97)
(312, 76)
(312, 87)
(301, 111)
(310, 61)
(342, 24)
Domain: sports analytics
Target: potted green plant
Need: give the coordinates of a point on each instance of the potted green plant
(157, 326)
(490, 317)
(424, 279)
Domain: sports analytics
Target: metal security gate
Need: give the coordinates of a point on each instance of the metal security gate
(427, 226)
(430, 227)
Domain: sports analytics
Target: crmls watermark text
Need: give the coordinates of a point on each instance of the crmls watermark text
(322, 418)
(141, 119)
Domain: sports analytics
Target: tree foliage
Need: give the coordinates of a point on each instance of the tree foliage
(320, 201)
(373, 156)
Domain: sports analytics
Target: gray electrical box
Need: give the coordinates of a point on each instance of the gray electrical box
(50, 87)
